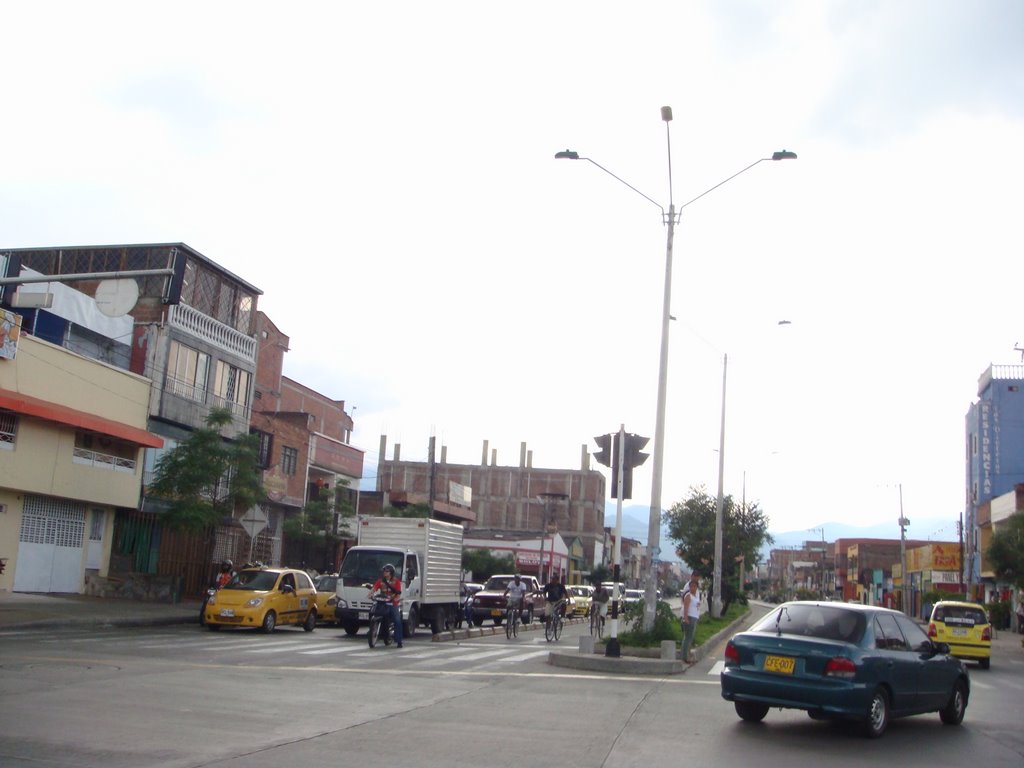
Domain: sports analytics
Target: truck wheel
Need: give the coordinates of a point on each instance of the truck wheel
(409, 627)
(437, 621)
(350, 628)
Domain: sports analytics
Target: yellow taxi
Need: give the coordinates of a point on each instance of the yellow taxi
(326, 597)
(264, 598)
(580, 595)
(965, 628)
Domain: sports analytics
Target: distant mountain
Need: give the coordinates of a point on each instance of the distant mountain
(635, 521)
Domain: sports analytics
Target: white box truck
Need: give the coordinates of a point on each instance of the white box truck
(427, 554)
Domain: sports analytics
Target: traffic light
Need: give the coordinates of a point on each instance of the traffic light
(604, 456)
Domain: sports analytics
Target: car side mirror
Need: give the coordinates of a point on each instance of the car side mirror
(288, 589)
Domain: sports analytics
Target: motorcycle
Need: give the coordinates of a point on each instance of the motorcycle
(381, 628)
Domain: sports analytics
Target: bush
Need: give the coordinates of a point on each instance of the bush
(999, 614)
(666, 626)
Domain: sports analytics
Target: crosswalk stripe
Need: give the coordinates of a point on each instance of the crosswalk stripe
(716, 668)
(333, 649)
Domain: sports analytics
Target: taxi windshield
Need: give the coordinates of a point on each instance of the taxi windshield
(256, 581)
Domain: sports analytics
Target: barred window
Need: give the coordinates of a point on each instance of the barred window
(8, 429)
(266, 442)
(289, 460)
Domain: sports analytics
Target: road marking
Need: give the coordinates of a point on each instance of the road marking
(334, 649)
(716, 668)
(277, 647)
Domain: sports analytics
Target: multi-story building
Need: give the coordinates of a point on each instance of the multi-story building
(305, 447)
(995, 462)
(513, 498)
(72, 433)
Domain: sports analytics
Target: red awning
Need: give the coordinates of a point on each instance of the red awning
(33, 406)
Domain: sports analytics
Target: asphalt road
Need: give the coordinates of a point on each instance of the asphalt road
(182, 696)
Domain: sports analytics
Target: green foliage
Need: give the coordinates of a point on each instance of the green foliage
(316, 523)
(482, 564)
(207, 478)
(407, 510)
(666, 626)
(933, 596)
(691, 525)
(600, 573)
(807, 594)
(999, 614)
(1006, 551)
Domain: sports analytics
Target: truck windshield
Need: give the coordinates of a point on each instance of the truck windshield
(363, 566)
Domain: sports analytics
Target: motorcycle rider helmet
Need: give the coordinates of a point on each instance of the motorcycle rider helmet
(226, 566)
(388, 569)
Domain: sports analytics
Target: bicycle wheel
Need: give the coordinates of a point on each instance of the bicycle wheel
(600, 628)
(371, 637)
(515, 623)
(595, 622)
(558, 628)
(549, 629)
(508, 624)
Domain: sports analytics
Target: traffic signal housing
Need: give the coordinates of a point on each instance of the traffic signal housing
(609, 444)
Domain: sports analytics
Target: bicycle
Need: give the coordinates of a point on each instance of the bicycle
(597, 620)
(380, 623)
(513, 614)
(553, 628)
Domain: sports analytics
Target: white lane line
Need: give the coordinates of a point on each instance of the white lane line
(716, 668)
(517, 658)
(472, 656)
(278, 648)
(333, 649)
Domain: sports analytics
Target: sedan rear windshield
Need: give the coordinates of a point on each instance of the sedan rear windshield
(814, 620)
(961, 615)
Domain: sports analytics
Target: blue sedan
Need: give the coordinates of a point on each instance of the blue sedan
(842, 661)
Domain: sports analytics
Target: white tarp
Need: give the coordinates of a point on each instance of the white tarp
(79, 308)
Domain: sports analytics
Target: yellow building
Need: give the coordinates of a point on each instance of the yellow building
(72, 430)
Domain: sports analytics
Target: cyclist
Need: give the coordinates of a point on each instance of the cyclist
(556, 595)
(599, 601)
(391, 587)
(515, 592)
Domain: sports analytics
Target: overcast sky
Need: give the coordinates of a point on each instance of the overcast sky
(385, 173)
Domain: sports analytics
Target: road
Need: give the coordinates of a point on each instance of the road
(180, 696)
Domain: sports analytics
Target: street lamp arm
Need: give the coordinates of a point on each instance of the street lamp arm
(781, 155)
(570, 155)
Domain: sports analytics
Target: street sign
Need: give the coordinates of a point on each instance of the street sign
(254, 521)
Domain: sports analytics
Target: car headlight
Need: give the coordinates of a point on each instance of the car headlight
(255, 602)
(341, 603)
(211, 600)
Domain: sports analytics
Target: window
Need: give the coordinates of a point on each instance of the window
(887, 633)
(231, 386)
(263, 452)
(915, 636)
(187, 372)
(8, 429)
(104, 452)
(289, 460)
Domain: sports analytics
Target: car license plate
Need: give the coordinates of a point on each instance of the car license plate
(227, 613)
(364, 615)
(784, 665)
(959, 632)
(496, 612)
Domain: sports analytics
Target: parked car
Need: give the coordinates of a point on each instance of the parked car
(842, 661)
(633, 596)
(264, 598)
(581, 595)
(965, 628)
(490, 602)
(326, 597)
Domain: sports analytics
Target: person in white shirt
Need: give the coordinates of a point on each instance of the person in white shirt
(692, 599)
(515, 592)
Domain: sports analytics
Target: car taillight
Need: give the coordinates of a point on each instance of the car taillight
(986, 633)
(932, 631)
(840, 667)
(732, 655)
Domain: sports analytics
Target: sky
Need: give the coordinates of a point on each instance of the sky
(385, 174)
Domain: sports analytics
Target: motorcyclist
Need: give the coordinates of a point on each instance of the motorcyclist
(389, 586)
(227, 570)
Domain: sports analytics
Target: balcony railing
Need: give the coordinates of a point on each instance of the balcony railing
(103, 460)
(212, 331)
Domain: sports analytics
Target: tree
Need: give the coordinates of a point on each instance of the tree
(207, 478)
(321, 525)
(483, 564)
(691, 525)
(1006, 551)
(407, 510)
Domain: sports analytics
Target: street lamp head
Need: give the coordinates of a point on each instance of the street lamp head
(666, 114)
(570, 155)
(784, 155)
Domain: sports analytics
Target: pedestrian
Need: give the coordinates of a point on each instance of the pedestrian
(692, 599)
(1020, 611)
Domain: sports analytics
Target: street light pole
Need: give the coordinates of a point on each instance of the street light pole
(670, 218)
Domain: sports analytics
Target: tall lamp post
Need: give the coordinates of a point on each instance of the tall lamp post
(669, 218)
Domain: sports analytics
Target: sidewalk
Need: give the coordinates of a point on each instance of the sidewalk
(26, 609)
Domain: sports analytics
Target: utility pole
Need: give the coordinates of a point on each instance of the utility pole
(903, 555)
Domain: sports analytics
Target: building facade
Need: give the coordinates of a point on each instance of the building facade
(995, 462)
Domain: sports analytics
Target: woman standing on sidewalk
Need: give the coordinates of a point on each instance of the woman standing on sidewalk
(691, 615)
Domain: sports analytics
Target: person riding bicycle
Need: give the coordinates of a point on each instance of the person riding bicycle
(556, 596)
(516, 592)
(389, 586)
(600, 600)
